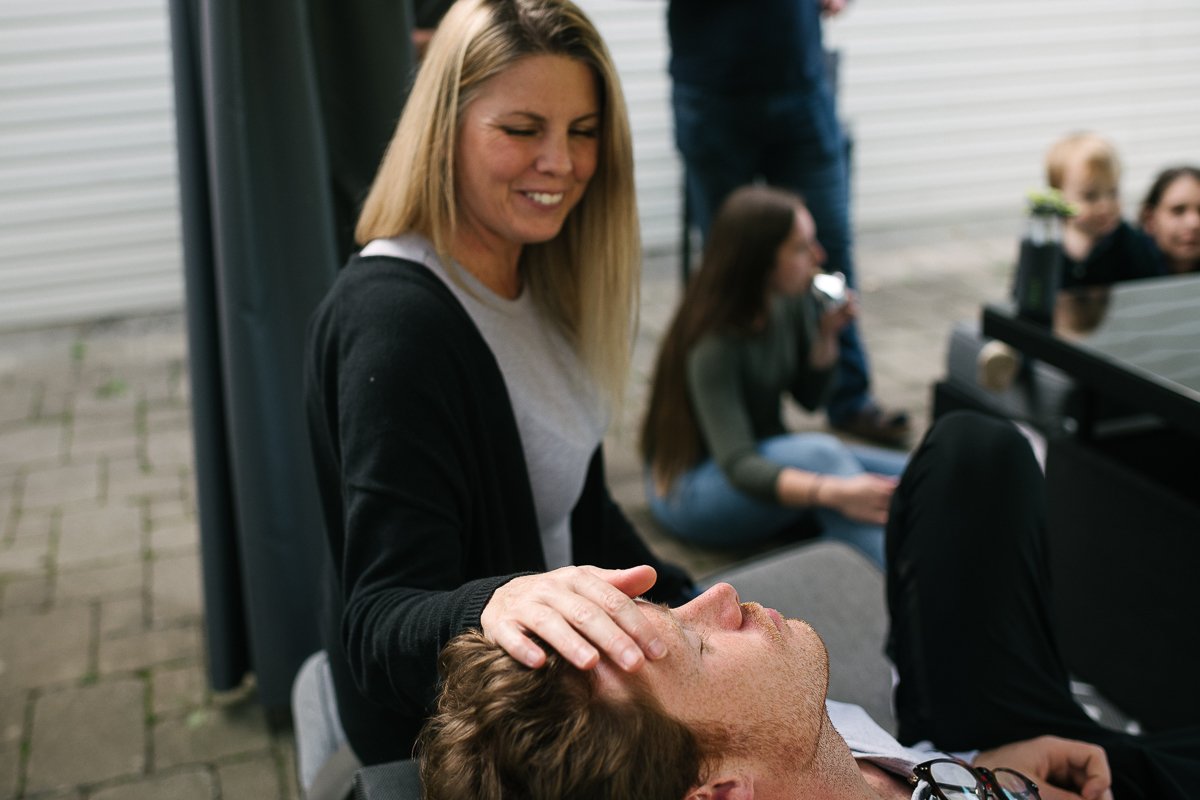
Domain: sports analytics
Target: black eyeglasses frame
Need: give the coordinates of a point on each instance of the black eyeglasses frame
(987, 787)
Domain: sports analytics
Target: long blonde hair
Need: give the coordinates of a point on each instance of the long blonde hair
(586, 278)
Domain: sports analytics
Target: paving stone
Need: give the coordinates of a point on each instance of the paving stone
(175, 588)
(285, 750)
(174, 535)
(37, 523)
(127, 481)
(170, 448)
(178, 689)
(77, 483)
(165, 511)
(12, 730)
(194, 784)
(122, 615)
(256, 779)
(16, 401)
(42, 648)
(106, 533)
(148, 648)
(10, 769)
(112, 438)
(26, 555)
(123, 579)
(12, 717)
(88, 735)
(105, 394)
(209, 734)
(34, 443)
(169, 417)
(25, 592)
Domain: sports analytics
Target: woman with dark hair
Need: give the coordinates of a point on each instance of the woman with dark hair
(1171, 215)
(723, 469)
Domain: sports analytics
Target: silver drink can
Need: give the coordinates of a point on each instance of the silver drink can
(830, 289)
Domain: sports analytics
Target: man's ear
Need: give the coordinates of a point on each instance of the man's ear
(724, 786)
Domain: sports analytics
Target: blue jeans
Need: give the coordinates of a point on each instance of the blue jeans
(704, 508)
(793, 141)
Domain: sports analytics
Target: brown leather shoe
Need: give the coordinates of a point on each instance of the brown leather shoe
(889, 428)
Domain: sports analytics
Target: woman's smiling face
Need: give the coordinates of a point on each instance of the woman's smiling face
(528, 144)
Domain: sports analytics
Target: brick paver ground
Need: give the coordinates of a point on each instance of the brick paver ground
(102, 691)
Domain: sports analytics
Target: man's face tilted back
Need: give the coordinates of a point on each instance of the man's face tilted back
(743, 667)
(735, 710)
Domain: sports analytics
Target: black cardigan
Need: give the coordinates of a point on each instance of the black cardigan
(425, 491)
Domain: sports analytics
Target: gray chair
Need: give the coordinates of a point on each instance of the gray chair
(323, 759)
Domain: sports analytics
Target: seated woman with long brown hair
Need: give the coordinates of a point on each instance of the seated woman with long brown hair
(723, 469)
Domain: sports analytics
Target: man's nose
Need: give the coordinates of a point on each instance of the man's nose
(717, 607)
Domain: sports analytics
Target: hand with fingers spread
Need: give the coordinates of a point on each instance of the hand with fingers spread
(1062, 768)
(581, 612)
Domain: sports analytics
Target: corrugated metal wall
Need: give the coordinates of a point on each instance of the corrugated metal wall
(88, 200)
(951, 102)
(636, 33)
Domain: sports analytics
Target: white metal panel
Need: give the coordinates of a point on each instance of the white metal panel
(953, 102)
(89, 220)
(636, 33)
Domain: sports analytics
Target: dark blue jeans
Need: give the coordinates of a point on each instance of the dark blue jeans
(792, 141)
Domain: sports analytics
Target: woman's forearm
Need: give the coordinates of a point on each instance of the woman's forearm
(797, 487)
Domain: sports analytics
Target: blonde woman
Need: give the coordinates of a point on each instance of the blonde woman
(462, 369)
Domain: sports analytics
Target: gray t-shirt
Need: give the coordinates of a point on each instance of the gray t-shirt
(560, 416)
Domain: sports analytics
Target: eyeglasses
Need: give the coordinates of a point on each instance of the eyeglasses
(950, 779)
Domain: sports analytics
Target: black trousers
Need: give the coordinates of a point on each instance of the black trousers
(970, 596)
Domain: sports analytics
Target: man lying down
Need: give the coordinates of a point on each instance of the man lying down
(737, 708)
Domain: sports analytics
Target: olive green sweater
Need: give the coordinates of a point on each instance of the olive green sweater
(736, 383)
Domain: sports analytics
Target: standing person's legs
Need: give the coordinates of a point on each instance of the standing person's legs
(808, 155)
(718, 138)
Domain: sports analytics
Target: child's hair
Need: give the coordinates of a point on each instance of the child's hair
(1157, 189)
(1094, 152)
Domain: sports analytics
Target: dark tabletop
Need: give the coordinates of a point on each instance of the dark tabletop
(1137, 342)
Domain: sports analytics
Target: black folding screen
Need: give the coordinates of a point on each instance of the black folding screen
(283, 109)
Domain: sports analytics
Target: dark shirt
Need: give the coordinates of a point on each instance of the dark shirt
(737, 46)
(1123, 255)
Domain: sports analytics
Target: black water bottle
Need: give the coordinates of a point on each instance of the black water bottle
(1039, 269)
